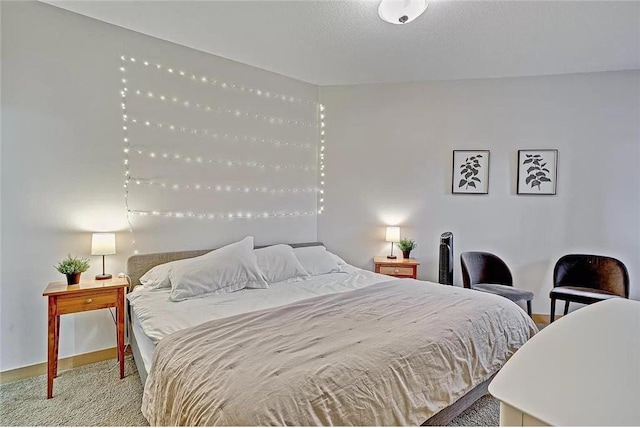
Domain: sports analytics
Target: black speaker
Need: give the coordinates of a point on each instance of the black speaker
(445, 275)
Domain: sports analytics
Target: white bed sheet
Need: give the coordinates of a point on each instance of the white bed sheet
(145, 345)
(158, 316)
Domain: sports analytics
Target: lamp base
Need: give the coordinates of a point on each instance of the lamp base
(392, 257)
(104, 276)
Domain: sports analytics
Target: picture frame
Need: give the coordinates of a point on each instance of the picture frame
(470, 173)
(537, 172)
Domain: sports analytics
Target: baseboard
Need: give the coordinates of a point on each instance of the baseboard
(63, 364)
(543, 318)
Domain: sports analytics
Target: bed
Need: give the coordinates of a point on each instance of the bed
(347, 348)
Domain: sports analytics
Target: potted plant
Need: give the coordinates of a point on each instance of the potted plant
(406, 245)
(73, 267)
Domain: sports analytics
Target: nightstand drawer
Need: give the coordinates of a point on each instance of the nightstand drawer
(87, 302)
(396, 270)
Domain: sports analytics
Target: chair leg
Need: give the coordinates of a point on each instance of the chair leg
(529, 307)
(552, 315)
(566, 307)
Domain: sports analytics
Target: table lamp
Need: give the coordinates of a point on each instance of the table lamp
(393, 235)
(103, 244)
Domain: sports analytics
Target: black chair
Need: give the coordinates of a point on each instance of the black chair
(585, 278)
(487, 272)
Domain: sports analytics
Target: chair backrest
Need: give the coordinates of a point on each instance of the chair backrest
(599, 272)
(484, 268)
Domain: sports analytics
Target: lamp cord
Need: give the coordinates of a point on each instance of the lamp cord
(113, 316)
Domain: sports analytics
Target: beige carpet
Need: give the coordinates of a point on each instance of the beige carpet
(93, 395)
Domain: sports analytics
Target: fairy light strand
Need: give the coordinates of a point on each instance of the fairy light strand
(209, 133)
(221, 187)
(321, 155)
(194, 159)
(222, 216)
(125, 137)
(212, 81)
(238, 114)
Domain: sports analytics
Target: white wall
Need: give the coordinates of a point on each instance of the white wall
(389, 155)
(62, 164)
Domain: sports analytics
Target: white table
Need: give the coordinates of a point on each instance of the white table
(583, 369)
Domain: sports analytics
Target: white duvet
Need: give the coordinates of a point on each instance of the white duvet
(393, 353)
(159, 316)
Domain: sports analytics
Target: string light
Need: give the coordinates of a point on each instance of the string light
(208, 80)
(126, 150)
(130, 149)
(321, 155)
(235, 113)
(208, 161)
(221, 187)
(209, 133)
(222, 216)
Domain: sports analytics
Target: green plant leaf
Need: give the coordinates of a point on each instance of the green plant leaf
(540, 174)
(545, 169)
(462, 182)
(532, 168)
(544, 179)
(527, 161)
(407, 244)
(529, 178)
(472, 184)
(73, 265)
(476, 179)
(535, 183)
(479, 156)
(536, 156)
(467, 175)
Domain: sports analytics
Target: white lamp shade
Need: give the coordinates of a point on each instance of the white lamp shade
(401, 11)
(103, 244)
(393, 234)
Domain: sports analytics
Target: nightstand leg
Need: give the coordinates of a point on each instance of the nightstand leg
(57, 347)
(120, 314)
(52, 344)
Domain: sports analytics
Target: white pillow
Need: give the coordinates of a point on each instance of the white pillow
(317, 260)
(158, 276)
(230, 268)
(279, 263)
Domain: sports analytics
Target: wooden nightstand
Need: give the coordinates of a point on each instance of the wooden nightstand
(400, 268)
(89, 295)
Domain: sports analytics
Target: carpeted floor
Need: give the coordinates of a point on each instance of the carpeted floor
(91, 395)
(94, 396)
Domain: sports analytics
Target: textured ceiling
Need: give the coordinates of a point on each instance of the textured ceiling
(345, 42)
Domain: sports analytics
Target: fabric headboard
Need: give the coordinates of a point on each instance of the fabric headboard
(139, 264)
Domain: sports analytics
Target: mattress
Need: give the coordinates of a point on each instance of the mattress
(157, 316)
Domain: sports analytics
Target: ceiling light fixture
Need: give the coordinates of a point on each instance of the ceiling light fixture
(401, 11)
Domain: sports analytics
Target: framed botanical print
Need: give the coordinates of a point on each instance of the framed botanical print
(470, 172)
(537, 172)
